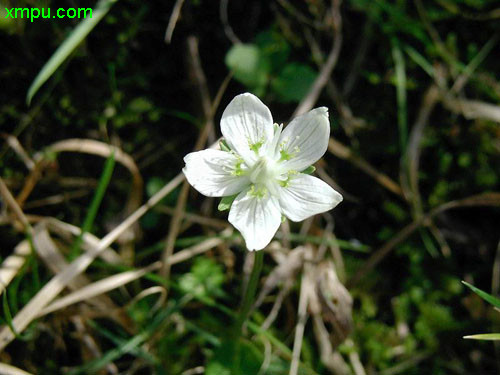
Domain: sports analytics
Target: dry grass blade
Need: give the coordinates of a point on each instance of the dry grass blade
(202, 247)
(343, 152)
(79, 265)
(175, 223)
(13, 142)
(473, 109)
(286, 269)
(55, 261)
(68, 231)
(228, 30)
(413, 150)
(148, 292)
(176, 12)
(354, 359)
(92, 147)
(90, 344)
(333, 300)
(332, 360)
(56, 199)
(306, 288)
(98, 288)
(113, 282)
(487, 199)
(208, 112)
(13, 205)
(310, 99)
(13, 263)
(194, 218)
(11, 370)
(173, 232)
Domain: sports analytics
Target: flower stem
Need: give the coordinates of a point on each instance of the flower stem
(250, 290)
(246, 305)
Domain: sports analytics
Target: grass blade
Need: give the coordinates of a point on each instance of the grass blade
(484, 336)
(69, 45)
(400, 70)
(96, 202)
(487, 297)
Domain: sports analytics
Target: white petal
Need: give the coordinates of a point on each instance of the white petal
(306, 139)
(246, 121)
(209, 172)
(257, 219)
(307, 196)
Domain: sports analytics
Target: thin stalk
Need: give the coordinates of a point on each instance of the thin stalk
(95, 204)
(249, 297)
(246, 305)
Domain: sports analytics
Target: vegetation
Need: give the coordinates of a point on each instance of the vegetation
(111, 263)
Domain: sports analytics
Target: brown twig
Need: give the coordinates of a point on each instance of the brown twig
(486, 199)
(176, 12)
(343, 152)
(409, 170)
(312, 96)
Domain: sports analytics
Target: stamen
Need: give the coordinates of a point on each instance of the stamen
(257, 192)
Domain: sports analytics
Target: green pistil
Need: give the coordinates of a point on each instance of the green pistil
(259, 192)
(238, 171)
(284, 155)
(286, 183)
(256, 146)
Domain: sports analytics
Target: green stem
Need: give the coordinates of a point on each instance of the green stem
(250, 291)
(95, 204)
(246, 305)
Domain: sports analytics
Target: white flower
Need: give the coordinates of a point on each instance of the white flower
(263, 168)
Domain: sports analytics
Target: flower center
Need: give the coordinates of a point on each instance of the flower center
(263, 171)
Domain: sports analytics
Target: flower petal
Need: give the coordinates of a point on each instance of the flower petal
(211, 172)
(305, 139)
(257, 218)
(306, 196)
(247, 122)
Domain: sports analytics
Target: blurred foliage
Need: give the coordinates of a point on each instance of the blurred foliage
(125, 86)
(264, 67)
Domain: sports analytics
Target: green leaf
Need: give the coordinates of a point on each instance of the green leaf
(226, 202)
(309, 170)
(232, 357)
(69, 45)
(487, 297)
(420, 60)
(400, 70)
(224, 146)
(484, 336)
(205, 279)
(95, 203)
(248, 64)
(274, 47)
(293, 82)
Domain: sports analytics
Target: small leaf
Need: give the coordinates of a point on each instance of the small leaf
(248, 64)
(235, 358)
(224, 146)
(487, 297)
(309, 170)
(275, 47)
(293, 82)
(205, 279)
(69, 45)
(226, 202)
(484, 336)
